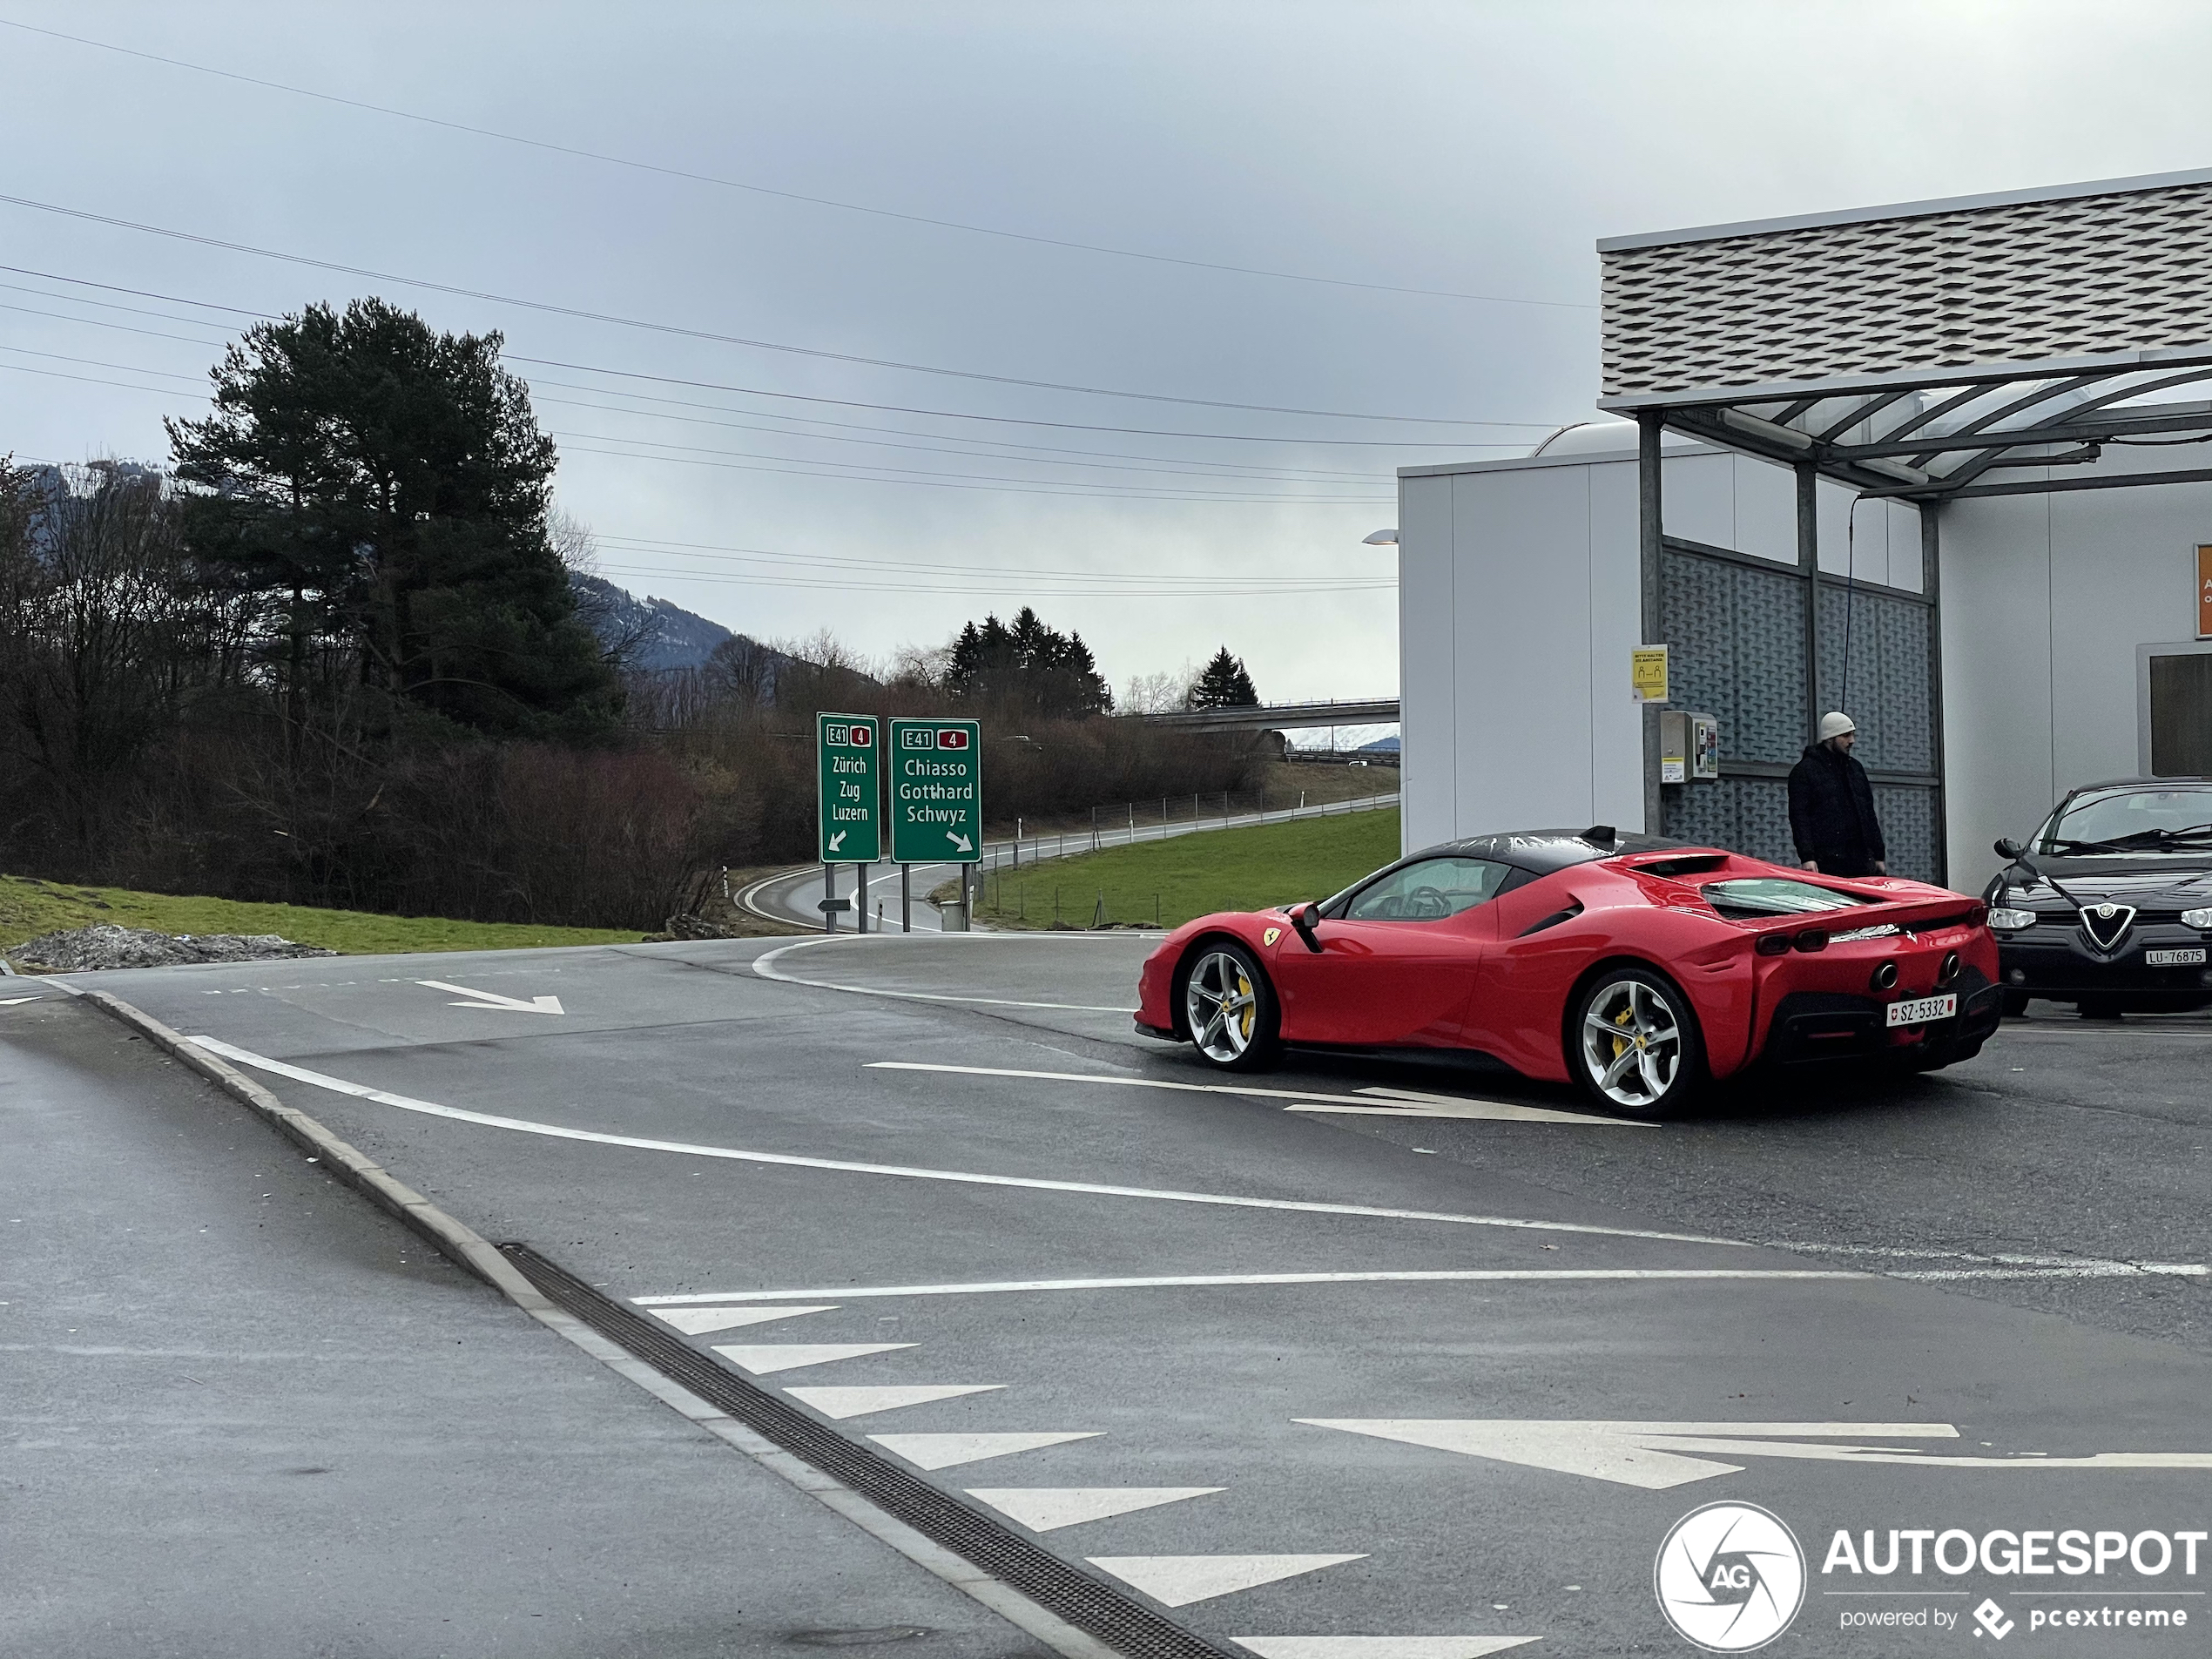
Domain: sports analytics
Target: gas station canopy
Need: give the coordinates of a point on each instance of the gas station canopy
(1920, 350)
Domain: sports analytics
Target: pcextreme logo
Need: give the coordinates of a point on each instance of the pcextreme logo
(1729, 1577)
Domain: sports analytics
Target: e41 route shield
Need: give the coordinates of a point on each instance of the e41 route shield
(936, 792)
(851, 817)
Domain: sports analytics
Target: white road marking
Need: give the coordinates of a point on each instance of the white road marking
(841, 1403)
(1178, 1580)
(698, 1322)
(1379, 1647)
(947, 1451)
(1654, 1456)
(2002, 1264)
(339, 1085)
(10, 1002)
(1405, 1103)
(764, 965)
(1380, 1275)
(494, 1001)
(1049, 1508)
(767, 1359)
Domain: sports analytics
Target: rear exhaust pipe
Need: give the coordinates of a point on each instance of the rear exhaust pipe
(1886, 977)
(1949, 971)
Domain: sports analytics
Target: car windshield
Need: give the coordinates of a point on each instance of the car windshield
(1428, 890)
(1751, 897)
(2132, 820)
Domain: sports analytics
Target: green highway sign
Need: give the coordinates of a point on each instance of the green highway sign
(850, 820)
(936, 792)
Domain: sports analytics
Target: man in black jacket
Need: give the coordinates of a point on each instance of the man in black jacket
(1831, 805)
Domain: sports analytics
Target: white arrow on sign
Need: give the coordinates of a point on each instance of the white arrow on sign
(837, 841)
(960, 842)
(1657, 1455)
(494, 1002)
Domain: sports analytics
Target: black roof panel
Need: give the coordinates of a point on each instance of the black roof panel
(1547, 850)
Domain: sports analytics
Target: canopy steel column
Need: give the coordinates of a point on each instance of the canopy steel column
(1809, 567)
(1932, 584)
(1651, 535)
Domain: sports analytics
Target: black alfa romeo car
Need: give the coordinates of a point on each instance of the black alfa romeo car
(2110, 905)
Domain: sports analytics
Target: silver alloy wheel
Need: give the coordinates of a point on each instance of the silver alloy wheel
(1632, 1044)
(1223, 1006)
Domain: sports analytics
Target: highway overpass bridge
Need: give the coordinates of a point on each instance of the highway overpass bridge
(1279, 717)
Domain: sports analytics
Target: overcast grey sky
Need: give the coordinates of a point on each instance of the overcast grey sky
(1474, 149)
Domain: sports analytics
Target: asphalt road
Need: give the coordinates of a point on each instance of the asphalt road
(798, 896)
(1396, 1351)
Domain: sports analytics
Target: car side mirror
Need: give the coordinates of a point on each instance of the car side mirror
(2008, 848)
(1304, 919)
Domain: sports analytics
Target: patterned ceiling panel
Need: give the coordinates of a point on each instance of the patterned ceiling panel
(2017, 283)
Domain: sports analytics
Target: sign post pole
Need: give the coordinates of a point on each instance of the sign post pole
(905, 898)
(937, 769)
(848, 804)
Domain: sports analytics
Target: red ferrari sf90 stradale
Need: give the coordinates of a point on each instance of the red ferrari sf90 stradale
(1639, 967)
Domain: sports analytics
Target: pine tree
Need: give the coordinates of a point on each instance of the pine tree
(1027, 668)
(1223, 684)
(392, 485)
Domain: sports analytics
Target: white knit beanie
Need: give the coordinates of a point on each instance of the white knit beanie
(1835, 725)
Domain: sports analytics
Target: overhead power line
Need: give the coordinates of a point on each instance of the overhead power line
(791, 195)
(1108, 462)
(859, 403)
(682, 331)
(873, 467)
(1034, 488)
(635, 547)
(1002, 589)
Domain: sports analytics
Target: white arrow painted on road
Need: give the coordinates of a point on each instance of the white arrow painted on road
(1178, 1580)
(494, 1001)
(10, 1002)
(837, 841)
(960, 842)
(1657, 1455)
(1379, 1646)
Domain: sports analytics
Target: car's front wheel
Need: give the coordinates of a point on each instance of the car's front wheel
(1229, 1008)
(1636, 1043)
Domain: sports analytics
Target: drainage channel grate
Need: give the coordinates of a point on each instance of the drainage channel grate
(1062, 1589)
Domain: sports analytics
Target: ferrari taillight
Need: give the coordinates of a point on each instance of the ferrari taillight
(1811, 939)
(1774, 945)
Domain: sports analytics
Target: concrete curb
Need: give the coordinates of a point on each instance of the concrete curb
(470, 1249)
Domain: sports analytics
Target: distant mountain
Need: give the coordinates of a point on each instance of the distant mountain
(1380, 745)
(657, 635)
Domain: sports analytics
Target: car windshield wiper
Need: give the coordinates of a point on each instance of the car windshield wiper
(2194, 834)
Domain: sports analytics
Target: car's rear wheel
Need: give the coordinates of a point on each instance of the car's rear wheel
(1229, 1008)
(1636, 1043)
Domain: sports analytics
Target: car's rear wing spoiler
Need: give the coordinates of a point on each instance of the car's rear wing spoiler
(1882, 919)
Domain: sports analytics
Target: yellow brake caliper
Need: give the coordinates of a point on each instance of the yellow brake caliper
(1621, 1043)
(1244, 1016)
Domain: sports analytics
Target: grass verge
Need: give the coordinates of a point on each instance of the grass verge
(1193, 876)
(29, 907)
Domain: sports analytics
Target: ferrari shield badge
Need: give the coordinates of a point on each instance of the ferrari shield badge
(1270, 935)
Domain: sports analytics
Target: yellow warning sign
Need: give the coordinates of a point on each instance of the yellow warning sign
(1648, 673)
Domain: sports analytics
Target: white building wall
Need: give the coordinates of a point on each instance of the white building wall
(1518, 604)
(2046, 599)
(1429, 656)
